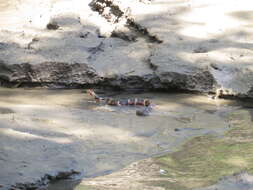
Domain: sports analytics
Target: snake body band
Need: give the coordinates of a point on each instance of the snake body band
(121, 102)
(124, 102)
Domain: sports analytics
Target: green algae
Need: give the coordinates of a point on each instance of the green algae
(203, 160)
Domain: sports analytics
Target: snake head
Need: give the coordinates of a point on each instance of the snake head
(94, 95)
(147, 102)
(91, 92)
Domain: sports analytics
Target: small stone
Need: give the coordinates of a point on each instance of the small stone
(162, 172)
(200, 50)
(84, 35)
(52, 26)
(143, 112)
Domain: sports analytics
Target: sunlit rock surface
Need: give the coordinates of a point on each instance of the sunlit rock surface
(191, 45)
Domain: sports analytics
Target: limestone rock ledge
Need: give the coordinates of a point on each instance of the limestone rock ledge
(155, 44)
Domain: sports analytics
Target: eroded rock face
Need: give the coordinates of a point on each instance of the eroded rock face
(179, 73)
(130, 44)
(234, 81)
(54, 72)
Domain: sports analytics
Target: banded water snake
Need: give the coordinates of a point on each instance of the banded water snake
(146, 103)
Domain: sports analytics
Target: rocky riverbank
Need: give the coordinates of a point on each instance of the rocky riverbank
(187, 45)
(128, 45)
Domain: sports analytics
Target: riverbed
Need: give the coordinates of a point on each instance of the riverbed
(45, 132)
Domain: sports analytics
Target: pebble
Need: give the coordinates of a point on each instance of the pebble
(162, 172)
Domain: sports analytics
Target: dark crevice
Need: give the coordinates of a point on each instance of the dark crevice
(95, 50)
(215, 67)
(129, 37)
(84, 35)
(114, 14)
(110, 11)
(135, 31)
(143, 32)
(200, 50)
(48, 85)
(150, 64)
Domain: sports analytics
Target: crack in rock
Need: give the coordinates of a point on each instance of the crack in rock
(151, 65)
(143, 32)
(120, 16)
(95, 50)
(109, 10)
(126, 34)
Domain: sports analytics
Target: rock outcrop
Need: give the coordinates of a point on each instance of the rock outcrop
(129, 44)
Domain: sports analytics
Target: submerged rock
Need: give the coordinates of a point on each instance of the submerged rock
(144, 111)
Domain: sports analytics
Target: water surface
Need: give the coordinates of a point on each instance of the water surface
(47, 131)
